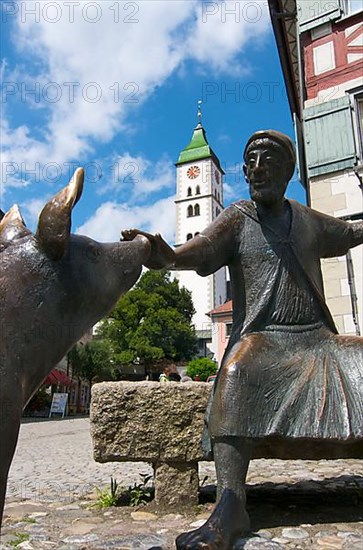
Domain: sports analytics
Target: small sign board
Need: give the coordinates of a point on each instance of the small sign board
(59, 404)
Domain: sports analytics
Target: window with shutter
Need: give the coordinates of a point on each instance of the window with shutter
(329, 137)
(312, 13)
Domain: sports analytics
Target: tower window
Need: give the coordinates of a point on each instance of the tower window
(197, 191)
(219, 197)
(215, 193)
(197, 233)
(189, 236)
(197, 210)
(217, 211)
(189, 191)
(190, 211)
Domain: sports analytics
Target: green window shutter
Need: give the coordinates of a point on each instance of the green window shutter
(329, 137)
(312, 13)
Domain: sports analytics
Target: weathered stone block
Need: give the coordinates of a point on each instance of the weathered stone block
(148, 421)
(176, 484)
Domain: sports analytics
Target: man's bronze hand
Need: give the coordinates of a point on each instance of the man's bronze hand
(162, 255)
(130, 234)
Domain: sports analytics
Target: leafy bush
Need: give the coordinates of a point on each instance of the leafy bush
(202, 367)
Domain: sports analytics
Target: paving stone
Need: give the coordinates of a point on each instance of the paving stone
(345, 534)
(79, 528)
(171, 517)
(22, 509)
(134, 542)
(66, 456)
(68, 507)
(281, 540)
(75, 539)
(321, 534)
(264, 533)
(37, 515)
(33, 528)
(330, 542)
(38, 537)
(295, 533)
(343, 527)
(256, 543)
(143, 516)
(356, 539)
(26, 545)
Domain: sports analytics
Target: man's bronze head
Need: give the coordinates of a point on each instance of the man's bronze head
(270, 159)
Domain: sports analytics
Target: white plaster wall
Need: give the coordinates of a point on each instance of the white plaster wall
(324, 58)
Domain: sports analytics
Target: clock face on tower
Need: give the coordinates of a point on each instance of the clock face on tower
(193, 172)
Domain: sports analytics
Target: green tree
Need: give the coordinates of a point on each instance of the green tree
(202, 367)
(92, 360)
(151, 322)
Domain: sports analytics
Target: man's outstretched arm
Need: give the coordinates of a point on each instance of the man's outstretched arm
(190, 255)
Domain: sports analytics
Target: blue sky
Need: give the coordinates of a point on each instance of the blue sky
(113, 86)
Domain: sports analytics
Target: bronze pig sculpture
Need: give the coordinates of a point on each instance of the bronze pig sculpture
(54, 286)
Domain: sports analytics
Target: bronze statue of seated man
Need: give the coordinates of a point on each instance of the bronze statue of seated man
(288, 385)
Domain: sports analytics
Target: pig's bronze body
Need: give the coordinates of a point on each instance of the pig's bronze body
(54, 286)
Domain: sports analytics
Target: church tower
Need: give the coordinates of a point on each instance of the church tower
(199, 200)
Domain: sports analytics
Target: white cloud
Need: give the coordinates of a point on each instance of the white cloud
(139, 176)
(120, 59)
(110, 218)
(223, 28)
(31, 210)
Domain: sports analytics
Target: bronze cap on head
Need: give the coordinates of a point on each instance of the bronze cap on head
(280, 139)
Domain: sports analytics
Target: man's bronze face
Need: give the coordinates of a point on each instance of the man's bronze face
(265, 173)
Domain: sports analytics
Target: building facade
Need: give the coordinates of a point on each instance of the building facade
(199, 200)
(320, 45)
(222, 318)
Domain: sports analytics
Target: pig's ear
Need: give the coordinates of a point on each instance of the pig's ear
(54, 226)
(12, 226)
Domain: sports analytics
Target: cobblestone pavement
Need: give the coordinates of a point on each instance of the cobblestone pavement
(51, 494)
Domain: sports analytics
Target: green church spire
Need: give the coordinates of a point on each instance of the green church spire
(198, 148)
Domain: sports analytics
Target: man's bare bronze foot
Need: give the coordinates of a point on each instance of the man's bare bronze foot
(228, 522)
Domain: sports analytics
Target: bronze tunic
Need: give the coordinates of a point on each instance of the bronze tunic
(285, 372)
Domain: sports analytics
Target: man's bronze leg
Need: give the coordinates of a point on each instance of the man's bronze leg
(229, 519)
